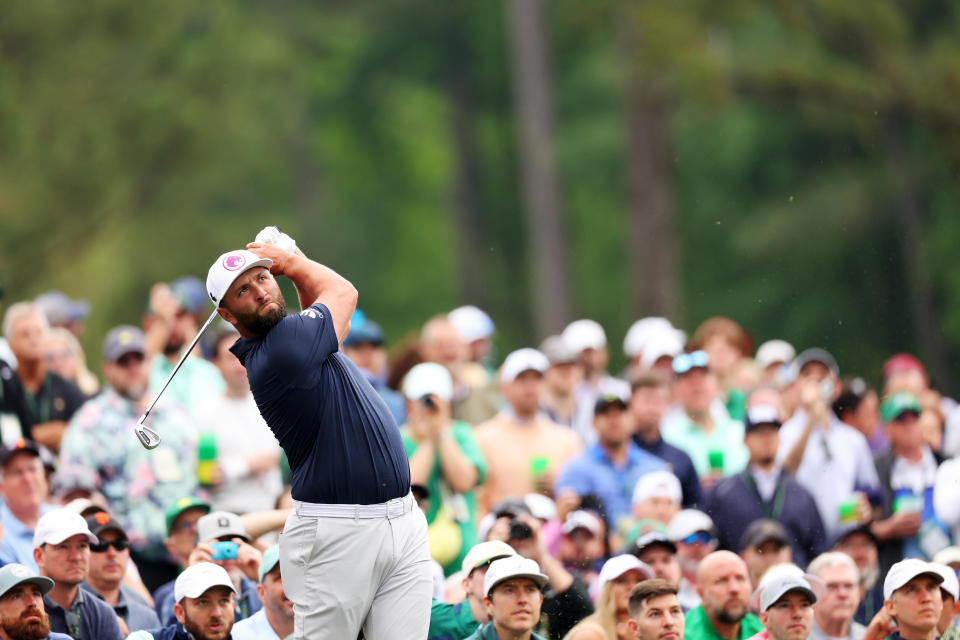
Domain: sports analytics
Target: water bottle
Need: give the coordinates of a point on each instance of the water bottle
(206, 458)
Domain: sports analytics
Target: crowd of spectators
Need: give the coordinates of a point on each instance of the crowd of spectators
(708, 490)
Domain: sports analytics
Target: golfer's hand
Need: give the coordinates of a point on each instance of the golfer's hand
(273, 235)
(275, 253)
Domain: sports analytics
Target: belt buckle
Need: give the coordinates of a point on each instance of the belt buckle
(396, 503)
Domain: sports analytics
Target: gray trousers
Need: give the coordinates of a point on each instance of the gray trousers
(362, 568)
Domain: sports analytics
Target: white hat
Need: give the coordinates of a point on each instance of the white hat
(522, 360)
(582, 519)
(906, 570)
(228, 268)
(471, 323)
(584, 334)
(950, 583)
(218, 524)
(687, 522)
(59, 524)
(484, 552)
(773, 351)
(947, 555)
(660, 345)
(657, 484)
(781, 584)
(196, 579)
(428, 378)
(619, 565)
(541, 507)
(512, 567)
(635, 342)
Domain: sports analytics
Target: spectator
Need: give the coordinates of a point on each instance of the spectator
(181, 519)
(63, 313)
(169, 327)
(560, 381)
(204, 607)
(652, 344)
(656, 497)
(138, 484)
(23, 484)
(109, 559)
(656, 551)
(22, 616)
(833, 613)
(61, 548)
(247, 478)
(858, 406)
(765, 543)
(786, 607)
(513, 596)
(724, 588)
(911, 595)
(523, 448)
(611, 467)
(950, 594)
(907, 474)
(694, 534)
(275, 620)
(655, 612)
(51, 400)
(764, 490)
(65, 357)
(583, 545)
(771, 357)
(713, 440)
(476, 329)
(726, 344)
(364, 346)
(588, 341)
(830, 459)
(860, 544)
(457, 621)
(648, 403)
(444, 457)
(619, 575)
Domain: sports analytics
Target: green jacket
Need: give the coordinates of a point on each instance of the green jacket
(451, 621)
(699, 627)
(487, 632)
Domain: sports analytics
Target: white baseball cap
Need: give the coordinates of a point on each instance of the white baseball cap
(582, 519)
(639, 333)
(619, 565)
(773, 351)
(660, 345)
(541, 507)
(584, 334)
(484, 552)
(687, 522)
(657, 484)
(512, 567)
(522, 360)
(471, 323)
(950, 583)
(428, 378)
(780, 585)
(947, 555)
(219, 524)
(59, 524)
(228, 268)
(196, 579)
(906, 570)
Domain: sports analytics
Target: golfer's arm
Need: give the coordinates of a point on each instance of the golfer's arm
(317, 283)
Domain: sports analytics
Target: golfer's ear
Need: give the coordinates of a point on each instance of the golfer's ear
(224, 313)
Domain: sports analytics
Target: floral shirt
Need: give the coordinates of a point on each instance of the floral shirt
(139, 484)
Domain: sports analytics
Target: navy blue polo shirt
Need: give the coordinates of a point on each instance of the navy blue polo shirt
(343, 444)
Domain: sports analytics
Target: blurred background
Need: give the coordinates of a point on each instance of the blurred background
(789, 164)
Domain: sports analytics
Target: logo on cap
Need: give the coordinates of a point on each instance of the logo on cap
(233, 261)
(223, 522)
(20, 572)
(102, 518)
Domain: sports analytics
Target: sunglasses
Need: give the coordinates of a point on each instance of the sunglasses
(698, 537)
(118, 545)
(686, 361)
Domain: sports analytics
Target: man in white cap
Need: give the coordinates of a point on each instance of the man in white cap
(911, 596)
(513, 593)
(786, 607)
(350, 477)
(204, 606)
(275, 620)
(523, 448)
(61, 548)
(21, 605)
(457, 621)
(695, 536)
(771, 356)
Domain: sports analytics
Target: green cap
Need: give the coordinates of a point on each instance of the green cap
(894, 405)
(269, 560)
(182, 505)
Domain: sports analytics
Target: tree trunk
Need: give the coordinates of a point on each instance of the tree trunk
(532, 95)
(651, 229)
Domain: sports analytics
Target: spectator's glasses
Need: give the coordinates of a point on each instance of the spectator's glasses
(118, 545)
(698, 537)
(686, 361)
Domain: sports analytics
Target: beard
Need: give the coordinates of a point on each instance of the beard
(260, 324)
(726, 616)
(197, 630)
(21, 629)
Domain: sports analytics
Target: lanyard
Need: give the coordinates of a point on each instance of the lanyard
(779, 495)
(40, 404)
(73, 620)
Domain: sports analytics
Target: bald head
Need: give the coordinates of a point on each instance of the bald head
(724, 587)
(441, 342)
(719, 562)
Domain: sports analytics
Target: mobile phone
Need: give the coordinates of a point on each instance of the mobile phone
(225, 550)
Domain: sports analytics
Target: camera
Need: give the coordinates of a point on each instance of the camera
(520, 530)
(224, 550)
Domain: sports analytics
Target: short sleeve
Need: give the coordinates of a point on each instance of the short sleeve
(300, 343)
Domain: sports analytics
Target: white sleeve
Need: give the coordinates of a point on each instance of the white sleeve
(946, 493)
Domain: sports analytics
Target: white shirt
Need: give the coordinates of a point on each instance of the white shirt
(241, 432)
(835, 464)
(256, 627)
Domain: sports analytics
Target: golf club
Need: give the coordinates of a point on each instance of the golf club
(149, 438)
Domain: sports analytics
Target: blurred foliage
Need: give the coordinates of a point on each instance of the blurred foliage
(139, 140)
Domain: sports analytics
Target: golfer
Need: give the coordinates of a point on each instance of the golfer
(354, 552)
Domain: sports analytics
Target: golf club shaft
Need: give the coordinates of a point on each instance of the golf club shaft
(183, 359)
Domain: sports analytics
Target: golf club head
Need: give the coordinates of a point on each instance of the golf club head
(149, 438)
